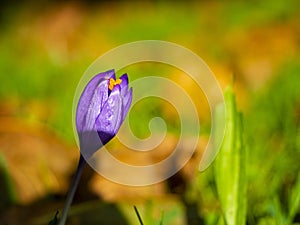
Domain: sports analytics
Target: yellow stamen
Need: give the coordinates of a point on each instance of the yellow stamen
(113, 83)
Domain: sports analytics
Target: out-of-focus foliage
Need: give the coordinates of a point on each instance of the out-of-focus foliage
(273, 130)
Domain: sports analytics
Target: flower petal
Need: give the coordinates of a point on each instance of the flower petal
(88, 96)
(126, 94)
(96, 104)
(124, 83)
(89, 142)
(109, 120)
(127, 99)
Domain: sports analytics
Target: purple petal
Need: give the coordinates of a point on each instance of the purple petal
(109, 120)
(126, 103)
(89, 143)
(88, 96)
(127, 96)
(124, 83)
(96, 104)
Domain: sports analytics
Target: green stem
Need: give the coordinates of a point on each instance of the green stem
(138, 215)
(72, 190)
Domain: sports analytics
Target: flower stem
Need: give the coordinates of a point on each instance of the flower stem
(72, 190)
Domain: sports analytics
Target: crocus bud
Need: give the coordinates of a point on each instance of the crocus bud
(102, 107)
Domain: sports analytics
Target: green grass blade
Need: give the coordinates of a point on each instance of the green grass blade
(7, 189)
(138, 215)
(294, 205)
(54, 221)
(230, 165)
(161, 219)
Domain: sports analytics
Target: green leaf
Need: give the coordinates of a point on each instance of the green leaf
(8, 193)
(294, 203)
(230, 171)
(54, 221)
(161, 219)
(138, 215)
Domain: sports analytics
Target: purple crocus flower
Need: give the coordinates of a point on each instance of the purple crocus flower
(101, 109)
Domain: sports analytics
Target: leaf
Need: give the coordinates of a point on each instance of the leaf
(161, 222)
(138, 215)
(294, 203)
(54, 221)
(8, 193)
(230, 171)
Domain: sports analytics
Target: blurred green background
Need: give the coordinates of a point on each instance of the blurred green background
(46, 46)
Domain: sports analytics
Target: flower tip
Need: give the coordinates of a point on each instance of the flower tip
(125, 75)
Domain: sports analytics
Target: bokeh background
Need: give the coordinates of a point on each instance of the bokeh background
(45, 47)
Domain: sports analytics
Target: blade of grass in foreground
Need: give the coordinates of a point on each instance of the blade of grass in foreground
(7, 190)
(294, 203)
(230, 163)
(138, 215)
